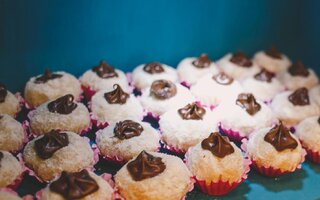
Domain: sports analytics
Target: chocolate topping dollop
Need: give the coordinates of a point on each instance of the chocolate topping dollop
(145, 166)
(298, 69)
(153, 68)
(63, 105)
(74, 185)
(50, 143)
(48, 75)
(273, 52)
(192, 111)
(203, 61)
(279, 137)
(264, 76)
(127, 129)
(3, 92)
(241, 59)
(103, 70)
(300, 97)
(248, 102)
(223, 79)
(163, 89)
(218, 145)
(117, 96)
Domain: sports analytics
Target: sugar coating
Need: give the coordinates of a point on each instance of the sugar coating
(272, 64)
(262, 90)
(206, 166)
(209, 92)
(265, 155)
(182, 134)
(235, 71)
(142, 79)
(42, 120)
(160, 106)
(37, 94)
(92, 80)
(126, 149)
(104, 192)
(11, 134)
(105, 112)
(315, 94)
(295, 82)
(189, 73)
(172, 184)
(11, 105)
(72, 158)
(8, 196)
(308, 131)
(10, 169)
(290, 114)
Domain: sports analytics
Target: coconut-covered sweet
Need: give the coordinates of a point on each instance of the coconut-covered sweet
(9, 103)
(10, 169)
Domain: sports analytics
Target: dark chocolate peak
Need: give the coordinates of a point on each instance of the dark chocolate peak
(218, 145)
(300, 97)
(103, 70)
(48, 75)
(74, 185)
(279, 137)
(192, 111)
(117, 96)
(145, 166)
(153, 68)
(241, 59)
(298, 69)
(248, 102)
(273, 52)
(50, 143)
(264, 76)
(163, 89)
(223, 79)
(203, 61)
(1, 156)
(3, 92)
(63, 105)
(127, 129)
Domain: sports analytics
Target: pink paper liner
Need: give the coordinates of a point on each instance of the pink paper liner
(88, 92)
(233, 135)
(185, 84)
(97, 123)
(313, 155)
(172, 149)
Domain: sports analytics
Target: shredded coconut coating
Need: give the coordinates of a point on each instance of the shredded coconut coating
(272, 64)
(11, 105)
(10, 169)
(308, 131)
(11, 134)
(295, 82)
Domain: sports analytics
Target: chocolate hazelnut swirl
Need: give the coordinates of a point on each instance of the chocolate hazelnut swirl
(241, 59)
(127, 129)
(117, 96)
(74, 185)
(203, 61)
(192, 111)
(264, 76)
(298, 69)
(218, 145)
(103, 70)
(63, 105)
(3, 92)
(223, 79)
(153, 68)
(163, 89)
(279, 137)
(48, 75)
(273, 53)
(248, 102)
(145, 166)
(300, 97)
(50, 143)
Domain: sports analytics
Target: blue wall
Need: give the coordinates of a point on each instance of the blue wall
(75, 35)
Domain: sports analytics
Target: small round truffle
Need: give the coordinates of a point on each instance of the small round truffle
(49, 86)
(8, 196)
(9, 103)
(10, 169)
(308, 131)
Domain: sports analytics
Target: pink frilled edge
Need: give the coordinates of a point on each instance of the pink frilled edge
(312, 155)
(233, 135)
(10, 191)
(269, 170)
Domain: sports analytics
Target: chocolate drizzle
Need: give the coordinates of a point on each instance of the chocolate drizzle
(50, 143)
(298, 69)
(192, 111)
(1, 156)
(103, 70)
(218, 145)
(241, 59)
(163, 89)
(248, 102)
(223, 79)
(127, 129)
(75, 185)
(300, 97)
(48, 75)
(3, 92)
(153, 68)
(203, 61)
(264, 76)
(279, 137)
(273, 52)
(117, 96)
(63, 105)
(145, 166)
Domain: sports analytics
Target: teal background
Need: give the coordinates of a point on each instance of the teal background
(74, 35)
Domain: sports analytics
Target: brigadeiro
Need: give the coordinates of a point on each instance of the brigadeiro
(9, 103)
(11, 170)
